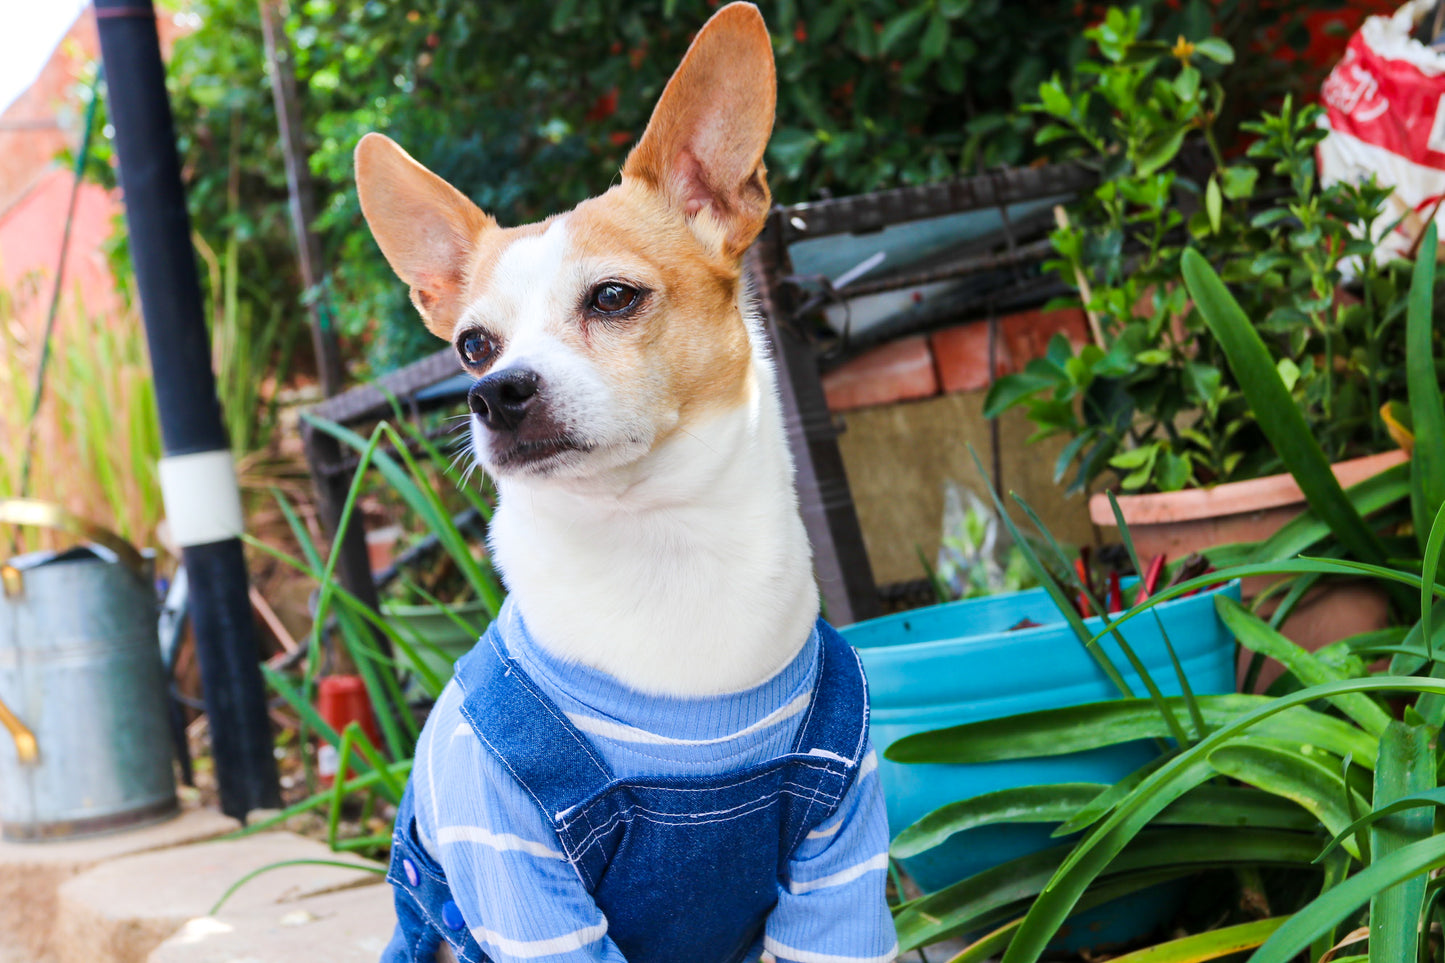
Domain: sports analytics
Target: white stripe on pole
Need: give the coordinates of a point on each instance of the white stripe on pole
(203, 501)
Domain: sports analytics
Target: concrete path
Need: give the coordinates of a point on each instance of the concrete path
(145, 896)
(118, 898)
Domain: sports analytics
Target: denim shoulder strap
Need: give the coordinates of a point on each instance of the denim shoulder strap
(836, 724)
(526, 731)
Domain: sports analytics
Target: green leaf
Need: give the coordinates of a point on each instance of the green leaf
(1215, 49)
(1406, 766)
(1288, 373)
(1098, 851)
(1278, 416)
(1427, 409)
(1054, 99)
(1336, 904)
(1292, 773)
(1271, 216)
(1135, 457)
(987, 947)
(1239, 181)
(1158, 151)
(1011, 389)
(991, 896)
(1225, 806)
(1213, 202)
(1171, 471)
(1186, 87)
(790, 148)
(935, 38)
(1055, 732)
(1256, 636)
(900, 26)
(1210, 945)
(1431, 798)
(1306, 529)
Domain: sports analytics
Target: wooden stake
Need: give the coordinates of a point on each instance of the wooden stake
(1086, 293)
(302, 194)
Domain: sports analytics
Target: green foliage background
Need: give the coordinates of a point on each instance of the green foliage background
(530, 107)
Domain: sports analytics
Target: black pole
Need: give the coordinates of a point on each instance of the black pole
(198, 481)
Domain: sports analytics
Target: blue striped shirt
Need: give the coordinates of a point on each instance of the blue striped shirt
(520, 896)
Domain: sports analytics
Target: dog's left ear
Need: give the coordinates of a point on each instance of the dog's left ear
(703, 148)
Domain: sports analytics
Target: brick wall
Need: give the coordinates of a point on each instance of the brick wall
(910, 409)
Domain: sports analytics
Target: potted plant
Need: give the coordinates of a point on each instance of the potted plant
(1320, 807)
(959, 661)
(1150, 406)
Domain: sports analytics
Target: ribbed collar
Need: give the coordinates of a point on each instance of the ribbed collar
(580, 689)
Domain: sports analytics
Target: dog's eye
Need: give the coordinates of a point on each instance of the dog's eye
(475, 347)
(610, 297)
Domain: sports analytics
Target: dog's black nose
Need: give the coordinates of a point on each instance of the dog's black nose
(501, 398)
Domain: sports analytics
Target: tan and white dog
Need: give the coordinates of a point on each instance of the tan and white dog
(626, 402)
(648, 529)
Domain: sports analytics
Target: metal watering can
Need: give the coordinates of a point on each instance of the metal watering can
(82, 690)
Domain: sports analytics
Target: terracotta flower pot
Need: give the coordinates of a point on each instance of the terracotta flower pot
(1180, 523)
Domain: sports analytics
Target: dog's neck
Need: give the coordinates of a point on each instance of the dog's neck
(688, 574)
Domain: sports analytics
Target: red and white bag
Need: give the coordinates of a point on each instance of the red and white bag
(1385, 104)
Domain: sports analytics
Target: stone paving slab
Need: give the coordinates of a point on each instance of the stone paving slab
(121, 910)
(352, 926)
(32, 873)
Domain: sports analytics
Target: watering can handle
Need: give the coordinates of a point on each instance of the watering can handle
(34, 513)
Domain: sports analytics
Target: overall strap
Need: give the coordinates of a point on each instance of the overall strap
(526, 731)
(836, 724)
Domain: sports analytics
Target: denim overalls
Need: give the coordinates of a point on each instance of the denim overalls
(685, 869)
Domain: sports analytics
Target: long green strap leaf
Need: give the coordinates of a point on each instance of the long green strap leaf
(1207, 946)
(1061, 600)
(1096, 852)
(1053, 732)
(1276, 412)
(1224, 806)
(1294, 772)
(1406, 766)
(1255, 635)
(1427, 409)
(1305, 530)
(1429, 572)
(1295, 566)
(988, 897)
(1137, 664)
(1338, 902)
(987, 947)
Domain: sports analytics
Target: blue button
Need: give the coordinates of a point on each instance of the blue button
(452, 916)
(412, 876)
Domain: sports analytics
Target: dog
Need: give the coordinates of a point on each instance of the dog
(658, 751)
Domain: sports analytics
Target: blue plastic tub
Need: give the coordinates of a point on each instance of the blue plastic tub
(950, 664)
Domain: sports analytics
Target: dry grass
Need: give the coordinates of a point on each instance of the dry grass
(96, 440)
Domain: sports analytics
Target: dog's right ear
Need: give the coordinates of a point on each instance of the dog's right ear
(427, 229)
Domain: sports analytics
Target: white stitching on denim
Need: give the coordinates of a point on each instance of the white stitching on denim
(500, 758)
(527, 685)
(803, 734)
(441, 929)
(863, 681)
(624, 814)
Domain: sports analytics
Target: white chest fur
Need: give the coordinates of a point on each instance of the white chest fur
(686, 574)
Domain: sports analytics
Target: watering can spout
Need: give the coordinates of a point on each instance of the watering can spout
(25, 746)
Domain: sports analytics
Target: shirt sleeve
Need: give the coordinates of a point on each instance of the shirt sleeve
(833, 907)
(519, 895)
